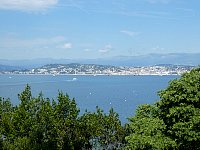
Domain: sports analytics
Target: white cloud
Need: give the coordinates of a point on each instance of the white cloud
(130, 33)
(106, 49)
(66, 46)
(27, 5)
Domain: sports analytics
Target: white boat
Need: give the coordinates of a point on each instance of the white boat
(74, 79)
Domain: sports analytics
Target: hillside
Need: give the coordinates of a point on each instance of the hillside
(93, 69)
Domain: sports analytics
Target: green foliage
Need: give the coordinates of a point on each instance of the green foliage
(147, 130)
(174, 121)
(102, 130)
(39, 124)
(180, 110)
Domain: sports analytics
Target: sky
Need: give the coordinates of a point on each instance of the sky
(89, 29)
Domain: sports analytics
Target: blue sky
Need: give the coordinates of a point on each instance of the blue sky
(97, 28)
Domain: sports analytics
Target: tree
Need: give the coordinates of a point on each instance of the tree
(112, 131)
(174, 121)
(146, 130)
(180, 110)
(17, 122)
(6, 111)
(101, 130)
(37, 124)
(65, 115)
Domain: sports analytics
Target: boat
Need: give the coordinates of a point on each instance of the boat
(74, 79)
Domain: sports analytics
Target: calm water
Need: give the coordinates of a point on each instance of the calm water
(123, 93)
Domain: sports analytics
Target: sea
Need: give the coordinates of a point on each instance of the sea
(123, 93)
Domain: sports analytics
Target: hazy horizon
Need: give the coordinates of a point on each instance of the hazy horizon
(191, 59)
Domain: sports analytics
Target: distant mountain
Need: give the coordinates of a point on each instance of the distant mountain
(140, 60)
(153, 59)
(32, 63)
(191, 59)
(9, 68)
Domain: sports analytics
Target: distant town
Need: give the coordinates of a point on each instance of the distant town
(93, 69)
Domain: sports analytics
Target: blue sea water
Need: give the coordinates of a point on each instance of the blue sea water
(123, 93)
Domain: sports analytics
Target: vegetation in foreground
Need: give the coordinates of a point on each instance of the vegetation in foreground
(38, 123)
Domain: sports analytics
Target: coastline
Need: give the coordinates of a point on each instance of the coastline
(100, 70)
(92, 74)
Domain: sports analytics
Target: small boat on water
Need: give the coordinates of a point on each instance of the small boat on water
(74, 79)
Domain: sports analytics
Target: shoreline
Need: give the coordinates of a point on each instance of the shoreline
(54, 75)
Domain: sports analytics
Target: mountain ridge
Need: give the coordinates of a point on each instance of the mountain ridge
(139, 60)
